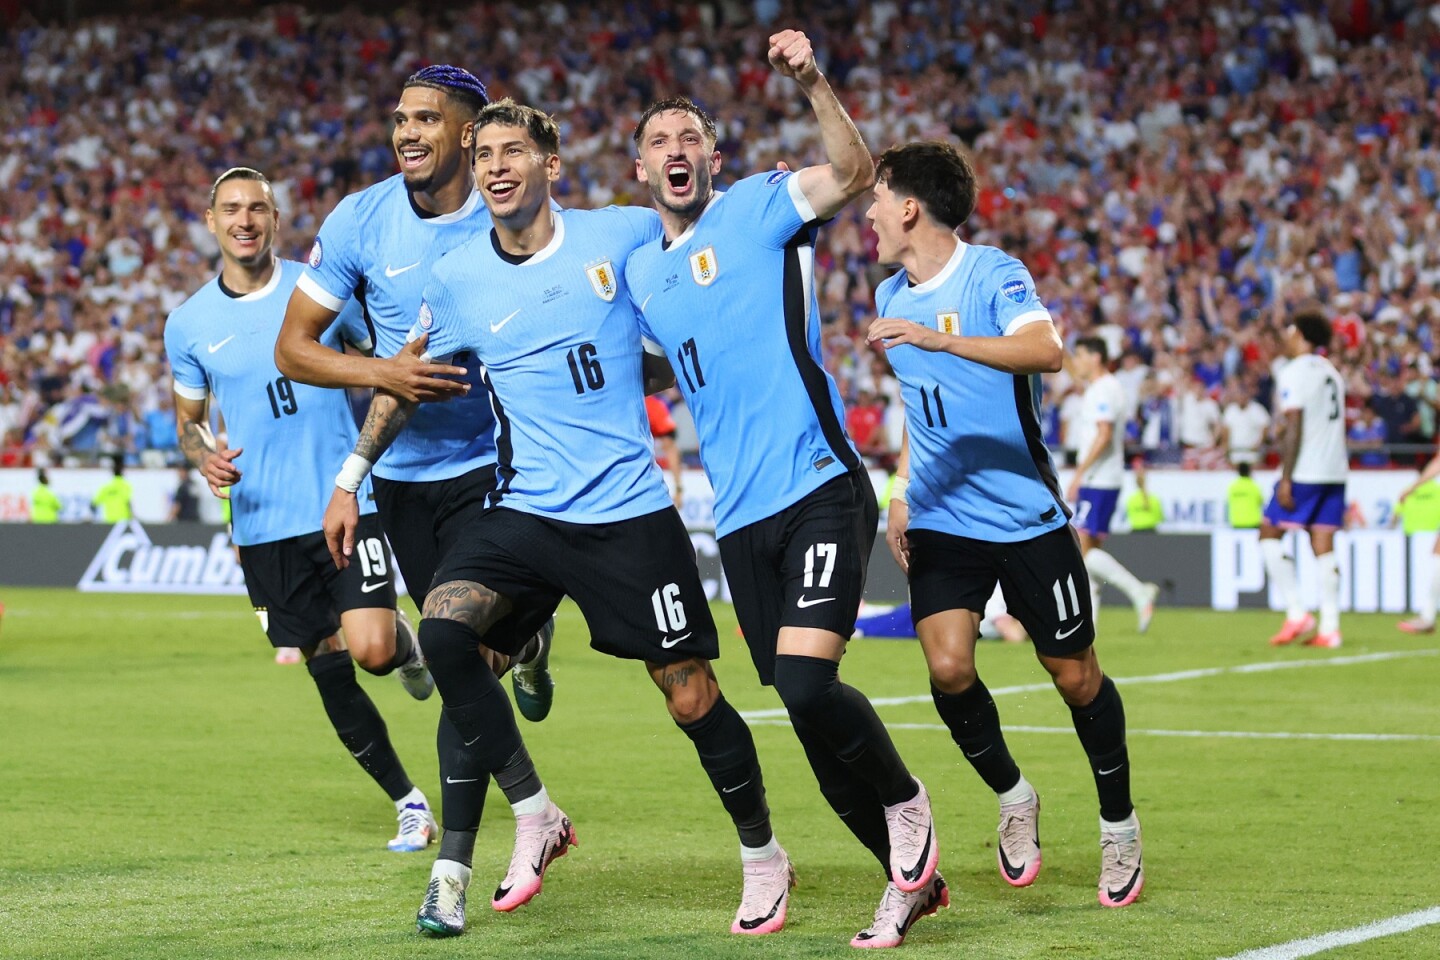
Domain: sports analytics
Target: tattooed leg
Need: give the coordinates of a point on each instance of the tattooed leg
(725, 747)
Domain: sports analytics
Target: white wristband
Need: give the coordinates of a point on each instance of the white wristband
(353, 473)
(898, 488)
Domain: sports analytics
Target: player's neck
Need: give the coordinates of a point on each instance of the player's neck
(675, 223)
(531, 237)
(930, 250)
(446, 198)
(241, 279)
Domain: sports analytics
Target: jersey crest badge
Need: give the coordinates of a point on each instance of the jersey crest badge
(427, 319)
(703, 266)
(776, 177)
(315, 255)
(1015, 290)
(602, 280)
(948, 322)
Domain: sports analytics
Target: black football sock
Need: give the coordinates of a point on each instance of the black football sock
(474, 700)
(1101, 726)
(518, 779)
(975, 727)
(727, 752)
(851, 797)
(463, 786)
(813, 695)
(359, 724)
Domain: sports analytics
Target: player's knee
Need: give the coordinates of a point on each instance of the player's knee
(1076, 682)
(952, 673)
(807, 685)
(446, 643)
(332, 671)
(372, 646)
(690, 692)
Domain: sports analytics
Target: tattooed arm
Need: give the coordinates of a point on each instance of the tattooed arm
(199, 447)
(387, 417)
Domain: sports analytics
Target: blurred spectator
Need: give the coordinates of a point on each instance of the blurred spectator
(1366, 438)
(1142, 508)
(44, 504)
(112, 500)
(1243, 426)
(663, 430)
(184, 502)
(161, 443)
(1244, 501)
(1199, 417)
(864, 421)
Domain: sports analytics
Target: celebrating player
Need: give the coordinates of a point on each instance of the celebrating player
(1310, 494)
(728, 295)
(581, 508)
(1095, 489)
(980, 501)
(380, 244)
(222, 341)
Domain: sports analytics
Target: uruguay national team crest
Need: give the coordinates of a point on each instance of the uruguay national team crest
(315, 254)
(703, 266)
(948, 322)
(427, 319)
(602, 280)
(1015, 290)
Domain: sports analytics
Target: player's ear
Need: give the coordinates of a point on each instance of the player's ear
(910, 212)
(552, 167)
(640, 171)
(714, 162)
(210, 220)
(467, 135)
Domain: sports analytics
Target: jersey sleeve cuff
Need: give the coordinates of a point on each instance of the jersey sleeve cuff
(364, 345)
(1029, 317)
(319, 294)
(802, 202)
(191, 393)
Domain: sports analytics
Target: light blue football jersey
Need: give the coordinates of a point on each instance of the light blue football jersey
(978, 465)
(560, 346)
(293, 435)
(376, 248)
(732, 302)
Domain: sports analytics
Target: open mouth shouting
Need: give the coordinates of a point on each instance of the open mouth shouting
(679, 178)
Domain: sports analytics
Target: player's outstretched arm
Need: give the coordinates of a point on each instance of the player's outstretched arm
(301, 356)
(199, 446)
(851, 170)
(387, 416)
(1034, 348)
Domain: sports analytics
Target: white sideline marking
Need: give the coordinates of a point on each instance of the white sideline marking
(1193, 734)
(1265, 667)
(1342, 938)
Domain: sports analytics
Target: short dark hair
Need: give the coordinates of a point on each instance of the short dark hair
(683, 105)
(936, 174)
(1095, 345)
(1314, 327)
(1243, 469)
(236, 173)
(457, 83)
(507, 113)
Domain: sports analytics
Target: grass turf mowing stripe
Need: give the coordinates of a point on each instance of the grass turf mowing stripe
(1320, 943)
(1171, 677)
(1196, 734)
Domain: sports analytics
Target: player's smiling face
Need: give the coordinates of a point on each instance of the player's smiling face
(244, 220)
(678, 161)
(513, 173)
(430, 137)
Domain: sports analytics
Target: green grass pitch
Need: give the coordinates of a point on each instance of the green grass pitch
(167, 791)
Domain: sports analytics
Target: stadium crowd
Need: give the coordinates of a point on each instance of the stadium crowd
(1177, 176)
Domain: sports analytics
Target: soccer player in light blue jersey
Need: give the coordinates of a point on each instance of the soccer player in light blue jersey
(379, 245)
(729, 295)
(581, 508)
(979, 502)
(221, 341)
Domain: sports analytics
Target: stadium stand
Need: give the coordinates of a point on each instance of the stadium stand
(1177, 176)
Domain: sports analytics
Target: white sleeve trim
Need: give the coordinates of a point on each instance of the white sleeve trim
(366, 345)
(651, 347)
(1029, 317)
(319, 294)
(191, 393)
(797, 197)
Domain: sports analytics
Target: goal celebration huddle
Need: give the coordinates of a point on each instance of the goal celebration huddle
(507, 459)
